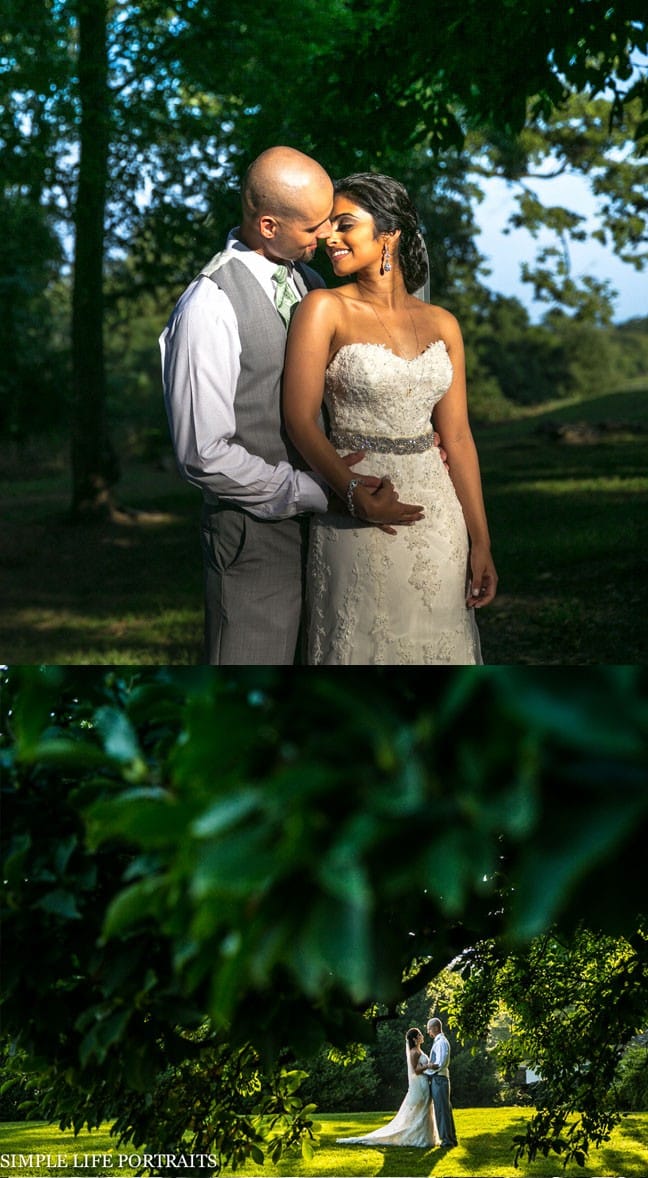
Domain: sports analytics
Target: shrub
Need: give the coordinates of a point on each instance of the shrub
(631, 1080)
(334, 1084)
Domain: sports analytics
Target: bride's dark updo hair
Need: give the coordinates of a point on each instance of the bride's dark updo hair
(391, 208)
(411, 1036)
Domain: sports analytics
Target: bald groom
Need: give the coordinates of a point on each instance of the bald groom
(222, 360)
(439, 1074)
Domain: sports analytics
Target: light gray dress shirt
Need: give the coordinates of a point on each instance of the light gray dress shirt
(440, 1055)
(200, 351)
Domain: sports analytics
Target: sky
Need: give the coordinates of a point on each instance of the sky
(506, 252)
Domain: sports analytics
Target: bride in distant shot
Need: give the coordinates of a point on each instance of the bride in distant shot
(414, 1123)
(383, 361)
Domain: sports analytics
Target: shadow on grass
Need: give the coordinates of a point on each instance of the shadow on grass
(119, 592)
(481, 1149)
(475, 1152)
(491, 1151)
(635, 1126)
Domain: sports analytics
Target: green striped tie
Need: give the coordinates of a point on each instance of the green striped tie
(285, 297)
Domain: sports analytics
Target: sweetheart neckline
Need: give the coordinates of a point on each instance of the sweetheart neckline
(385, 348)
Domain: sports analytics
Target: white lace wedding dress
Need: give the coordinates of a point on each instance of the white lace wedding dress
(414, 1123)
(375, 598)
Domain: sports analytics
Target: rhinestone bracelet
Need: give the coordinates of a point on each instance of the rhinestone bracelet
(349, 495)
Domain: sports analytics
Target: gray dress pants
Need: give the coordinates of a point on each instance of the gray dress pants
(254, 572)
(440, 1089)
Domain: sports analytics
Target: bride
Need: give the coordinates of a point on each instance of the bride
(383, 361)
(414, 1123)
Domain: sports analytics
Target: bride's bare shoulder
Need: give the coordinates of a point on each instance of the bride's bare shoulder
(319, 306)
(439, 323)
(446, 323)
(328, 294)
(326, 310)
(327, 300)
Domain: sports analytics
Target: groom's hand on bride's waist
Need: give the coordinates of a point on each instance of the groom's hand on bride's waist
(437, 442)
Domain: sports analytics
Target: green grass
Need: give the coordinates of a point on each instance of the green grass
(484, 1151)
(569, 525)
(125, 593)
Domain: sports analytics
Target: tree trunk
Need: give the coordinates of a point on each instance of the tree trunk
(94, 468)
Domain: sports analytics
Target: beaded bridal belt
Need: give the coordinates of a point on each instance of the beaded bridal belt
(343, 440)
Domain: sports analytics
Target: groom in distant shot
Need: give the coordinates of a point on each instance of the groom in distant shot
(439, 1080)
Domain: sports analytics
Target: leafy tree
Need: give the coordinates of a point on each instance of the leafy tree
(151, 111)
(34, 374)
(346, 1080)
(93, 460)
(631, 345)
(475, 1082)
(212, 859)
(631, 1080)
(583, 136)
(573, 1003)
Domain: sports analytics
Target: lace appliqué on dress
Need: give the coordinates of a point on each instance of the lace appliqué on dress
(375, 598)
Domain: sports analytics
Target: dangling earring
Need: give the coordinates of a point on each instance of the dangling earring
(385, 264)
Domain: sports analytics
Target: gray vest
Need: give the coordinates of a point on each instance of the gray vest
(257, 402)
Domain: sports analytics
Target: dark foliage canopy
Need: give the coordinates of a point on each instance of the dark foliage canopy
(208, 860)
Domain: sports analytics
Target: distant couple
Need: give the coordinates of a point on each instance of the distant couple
(425, 1117)
(399, 552)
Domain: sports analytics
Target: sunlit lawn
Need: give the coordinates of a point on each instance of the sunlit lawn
(484, 1151)
(568, 523)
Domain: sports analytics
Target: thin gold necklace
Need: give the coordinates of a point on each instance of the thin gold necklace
(391, 338)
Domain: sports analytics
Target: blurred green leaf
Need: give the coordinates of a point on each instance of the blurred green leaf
(290, 1081)
(586, 718)
(102, 1036)
(158, 704)
(59, 903)
(117, 734)
(135, 905)
(63, 753)
(238, 864)
(63, 853)
(553, 866)
(148, 816)
(335, 943)
(13, 868)
(35, 700)
(226, 813)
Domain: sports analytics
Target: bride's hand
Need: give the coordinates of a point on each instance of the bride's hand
(483, 583)
(381, 506)
(352, 460)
